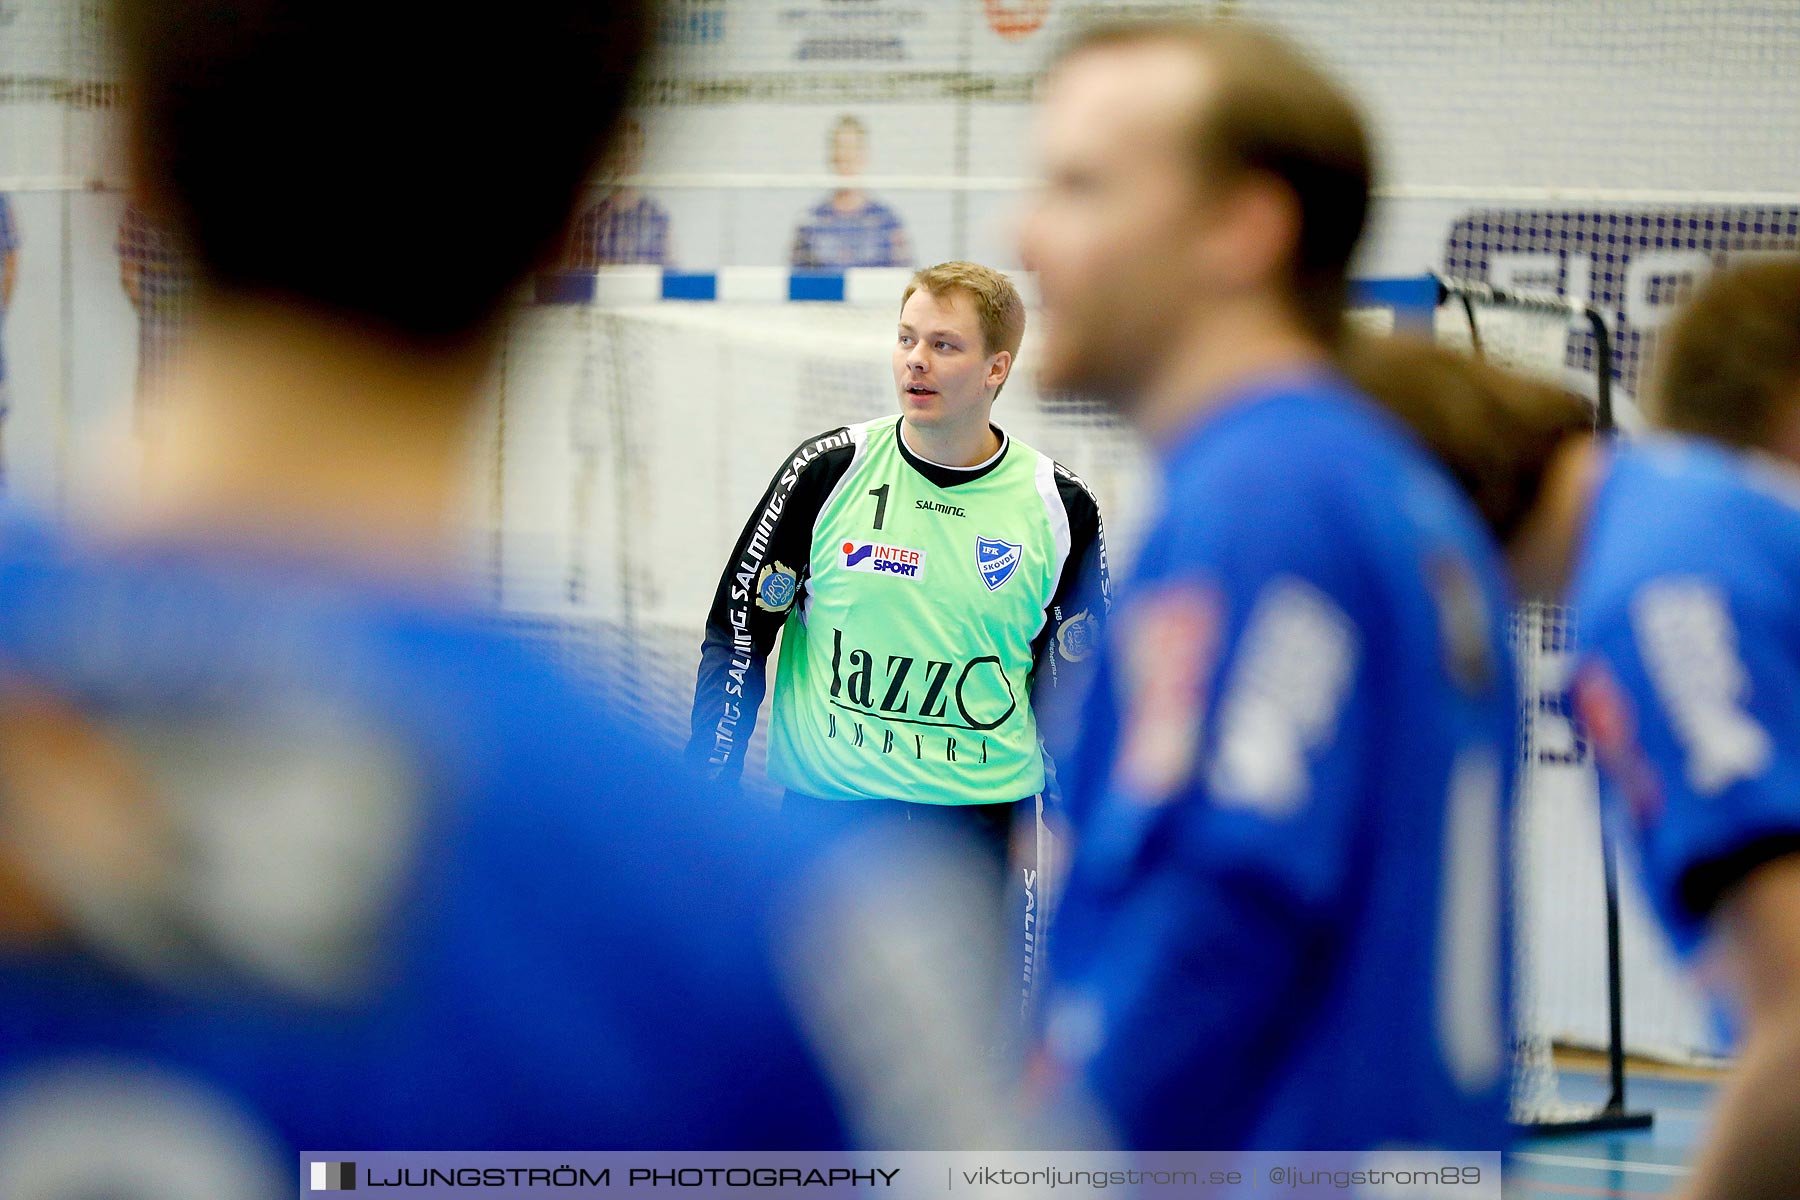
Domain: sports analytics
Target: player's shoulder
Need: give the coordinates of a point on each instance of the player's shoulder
(1312, 425)
(1670, 475)
(1066, 496)
(1718, 514)
(1311, 461)
(1077, 496)
(131, 620)
(828, 452)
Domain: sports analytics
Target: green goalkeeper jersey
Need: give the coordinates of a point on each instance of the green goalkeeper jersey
(918, 605)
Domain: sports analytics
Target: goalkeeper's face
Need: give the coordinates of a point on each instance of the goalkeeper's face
(1119, 231)
(942, 369)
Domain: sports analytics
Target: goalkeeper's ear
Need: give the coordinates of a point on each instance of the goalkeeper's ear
(999, 371)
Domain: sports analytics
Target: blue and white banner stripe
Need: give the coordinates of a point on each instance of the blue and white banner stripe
(729, 285)
(1412, 298)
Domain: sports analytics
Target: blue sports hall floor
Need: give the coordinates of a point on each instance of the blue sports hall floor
(1633, 1165)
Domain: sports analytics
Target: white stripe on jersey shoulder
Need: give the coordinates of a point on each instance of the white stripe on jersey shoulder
(1054, 510)
(1079, 482)
(859, 441)
(1099, 520)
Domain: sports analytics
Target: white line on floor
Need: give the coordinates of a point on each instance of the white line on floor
(1598, 1164)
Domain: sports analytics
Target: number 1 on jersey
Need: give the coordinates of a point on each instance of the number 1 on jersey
(881, 495)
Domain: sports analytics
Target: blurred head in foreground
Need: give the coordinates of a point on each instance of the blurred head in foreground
(1205, 185)
(350, 297)
(303, 152)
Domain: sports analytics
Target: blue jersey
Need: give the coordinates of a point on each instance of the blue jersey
(1689, 681)
(1285, 924)
(611, 232)
(428, 894)
(869, 236)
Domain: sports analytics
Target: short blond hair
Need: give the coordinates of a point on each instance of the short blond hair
(846, 123)
(996, 300)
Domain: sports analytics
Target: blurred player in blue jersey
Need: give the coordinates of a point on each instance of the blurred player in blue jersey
(624, 225)
(297, 849)
(1285, 922)
(1681, 557)
(850, 228)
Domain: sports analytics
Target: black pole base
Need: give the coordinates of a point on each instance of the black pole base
(1601, 1120)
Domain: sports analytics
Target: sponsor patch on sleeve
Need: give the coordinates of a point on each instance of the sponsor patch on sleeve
(1170, 643)
(1465, 625)
(1606, 714)
(776, 587)
(1075, 636)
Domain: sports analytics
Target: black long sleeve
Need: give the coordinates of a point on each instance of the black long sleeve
(1064, 651)
(763, 580)
(1077, 610)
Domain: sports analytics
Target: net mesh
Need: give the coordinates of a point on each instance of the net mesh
(1558, 874)
(1555, 837)
(1475, 93)
(1535, 103)
(1518, 339)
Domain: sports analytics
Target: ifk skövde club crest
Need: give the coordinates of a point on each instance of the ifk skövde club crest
(997, 560)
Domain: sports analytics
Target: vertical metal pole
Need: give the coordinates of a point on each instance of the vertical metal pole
(1603, 399)
(1615, 978)
(1615, 974)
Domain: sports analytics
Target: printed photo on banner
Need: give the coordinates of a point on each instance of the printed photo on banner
(621, 224)
(850, 228)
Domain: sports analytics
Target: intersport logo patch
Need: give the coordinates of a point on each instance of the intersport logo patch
(877, 559)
